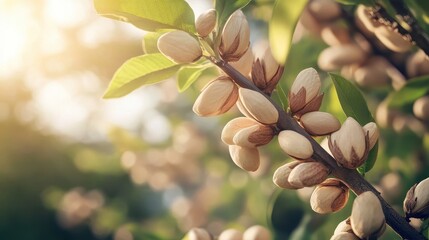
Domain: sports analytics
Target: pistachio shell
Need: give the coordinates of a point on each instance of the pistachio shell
(363, 17)
(254, 136)
(309, 80)
(372, 73)
(235, 38)
(343, 226)
(308, 174)
(258, 106)
(295, 145)
(333, 58)
(335, 35)
(344, 236)
(230, 234)
(257, 233)
(246, 158)
(319, 123)
(392, 40)
(179, 46)
(235, 125)
(281, 175)
(244, 64)
(271, 66)
(206, 22)
(324, 10)
(373, 133)
(367, 216)
(421, 108)
(421, 193)
(330, 196)
(199, 234)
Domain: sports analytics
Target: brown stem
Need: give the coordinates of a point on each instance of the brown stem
(350, 177)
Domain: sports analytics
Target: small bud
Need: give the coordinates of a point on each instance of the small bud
(304, 93)
(295, 145)
(258, 106)
(308, 174)
(257, 233)
(344, 236)
(330, 196)
(235, 125)
(391, 39)
(367, 218)
(344, 226)
(421, 108)
(180, 47)
(373, 133)
(416, 203)
(206, 22)
(235, 38)
(199, 234)
(246, 158)
(281, 175)
(230, 234)
(335, 35)
(244, 64)
(324, 10)
(349, 145)
(319, 123)
(254, 136)
(216, 98)
(333, 58)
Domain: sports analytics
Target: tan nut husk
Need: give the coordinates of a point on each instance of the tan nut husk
(281, 175)
(335, 57)
(235, 125)
(330, 196)
(179, 46)
(349, 144)
(230, 234)
(257, 232)
(304, 93)
(308, 174)
(246, 158)
(206, 22)
(216, 98)
(373, 133)
(416, 203)
(319, 123)
(254, 136)
(367, 218)
(235, 39)
(199, 234)
(295, 145)
(258, 106)
(421, 108)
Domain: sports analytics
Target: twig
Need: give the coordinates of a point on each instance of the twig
(350, 177)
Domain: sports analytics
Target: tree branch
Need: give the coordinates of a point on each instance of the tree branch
(350, 177)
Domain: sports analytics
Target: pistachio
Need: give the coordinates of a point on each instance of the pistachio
(179, 46)
(244, 64)
(335, 35)
(335, 57)
(324, 10)
(235, 39)
(281, 175)
(349, 144)
(295, 145)
(206, 22)
(308, 174)
(244, 157)
(373, 133)
(254, 136)
(310, 22)
(344, 236)
(330, 196)
(235, 125)
(199, 234)
(391, 39)
(216, 98)
(304, 94)
(421, 108)
(416, 203)
(258, 106)
(319, 123)
(364, 19)
(344, 226)
(230, 234)
(372, 73)
(257, 232)
(367, 218)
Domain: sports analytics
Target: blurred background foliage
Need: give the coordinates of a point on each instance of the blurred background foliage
(73, 166)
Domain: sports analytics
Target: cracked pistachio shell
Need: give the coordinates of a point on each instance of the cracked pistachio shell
(216, 98)
(281, 175)
(319, 123)
(373, 133)
(367, 216)
(257, 233)
(179, 46)
(343, 226)
(417, 200)
(271, 66)
(235, 125)
(199, 234)
(328, 197)
(254, 136)
(308, 174)
(235, 37)
(421, 108)
(391, 39)
(295, 145)
(258, 106)
(344, 236)
(350, 137)
(309, 80)
(244, 157)
(230, 234)
(206, 22)
(364, 18)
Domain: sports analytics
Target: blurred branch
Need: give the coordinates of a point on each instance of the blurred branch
(350, 177)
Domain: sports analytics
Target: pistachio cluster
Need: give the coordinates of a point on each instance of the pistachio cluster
(255, 232)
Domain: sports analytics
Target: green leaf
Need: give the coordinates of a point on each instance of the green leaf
(225, 8)
(189, 74)
(150, 15)
(139, 71)
(282, 26)
(354, 105)
(282, 97)
(414, 89)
